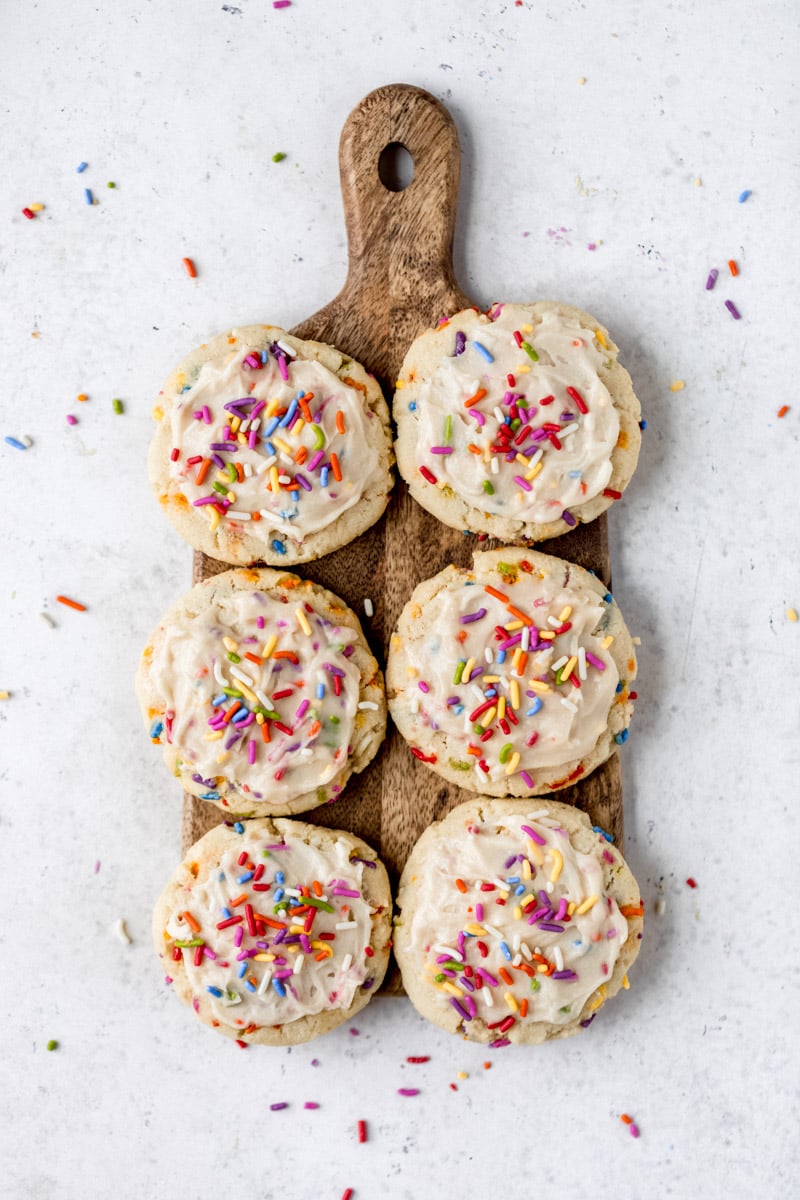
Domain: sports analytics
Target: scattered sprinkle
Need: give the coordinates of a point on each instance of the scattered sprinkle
(281, 3)
(277, 1107)
(52, 1044)
(81, 167)
(698, 182)
(743, 196)
(692, 883)
(732, 267)
(111, 184)
(191, 269)
(121, 932)
(354, 1032)
(733, 310)
(311, 1104)
(418, 1058)
(279, 156)
(712, 279)
(5, 695)
(783, 410)
(97, 866)
(71, 603)
(487, 1066)
(29, 213)
(581, 79)
(82, 396)
(408, 1091)
(791, 614)
(117, 405)
(660, 906)
(71, 420)
(48, 619)
(369, 607)
(87, 195)
(347, 1193)
(362, 1131)
(677, 385)
(15, 442)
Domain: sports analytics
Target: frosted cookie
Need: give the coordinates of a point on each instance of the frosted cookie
(515, 923)
(518, 423)
(263, 693)
(270, 449)
(275, 931)
(512, 679)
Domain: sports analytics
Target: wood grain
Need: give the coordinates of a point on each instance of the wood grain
(401, 281)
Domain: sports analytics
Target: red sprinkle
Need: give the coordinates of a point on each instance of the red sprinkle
(242, 1045)
(27, 212)
(691, 882)
(191, 269)
(175, 454)
(362, 1131)
(347, 1193)
(428, 758)
(426, 474)
(612, 493)
(418, 1058)
(578, 398)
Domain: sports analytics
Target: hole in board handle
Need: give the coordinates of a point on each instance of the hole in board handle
(395, 167)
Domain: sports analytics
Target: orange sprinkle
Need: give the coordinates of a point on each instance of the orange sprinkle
(487, 1066)
(83, 397)
(461, 636)
(290, 654)
(256, 516)
(523, 1006)
(301, 456)
(340, 422)
(474, 750)
(269, 921)
(190, 921)
(732, 267)
(626, 1120)
(315, 728)
(504, 975)
(317, 886)
(497, 595)
(473, 449)
(239, 900)
(632, 910)
(237, 704)
(462, 887)
(71, 603)
(254, 658)
(191, 269)
(265, 737)
(782, 411)
(304, 409)
(239, 472)
(320, 955)
(202, 471)
(337, 470)
(481, 392)
(515, 612)
(523, 659)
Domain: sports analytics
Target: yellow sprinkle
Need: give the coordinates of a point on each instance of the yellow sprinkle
(214, 737)
(626, 983)
(607, 641)
(231, 496)
(536, 685)
(600, 999)
(588, 903)
(36, 207)
(522, 459)
(263, 957)
(273, 479)
(535, 853)
(302, 621)
(234, 423)
(534, 471)
(541, 968)
(269, 645)
(526, 869)
(294, 949)
(677, 385)
(514, 694)
(487, 717)
(223, 477)
(468, 669)
(221, 757)
(400, 384)
(297, 929)
(475, 929)
(412, 672)
(527, 329)
(698, 182)
(501, 708)
(491, 678)
(4, 695)
(158, 413)
(248, 695)
(516, 658)
(272, 408)
(242, 438)
(452, 989)
(511, 626)
(569, 667)
(601, 339)
(518, 913)
(462, 1075)
(522, 369)
(230, 644)
(297, 427)
(565, 613)
(581, 79)
(322, 946)
(282, 445)
(213, 517)
(547, 635)
(510, 1001)
(512, 763)
(571, 908)
(791, 614)
(260, 718)
(558, 863)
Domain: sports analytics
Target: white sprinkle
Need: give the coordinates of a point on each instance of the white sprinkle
(660, 906)
(479, 773)
(248, 470)
(242, 676)
(243, 427)
(414, 706)
(27, 441)
(265, 982)
(568, 430)
(526, 639)
(501, 416)
(450, 952)
(534, 816)
(287, 350)
(487, 997)
(500, 883)
(488, 654)
(48, 619)
(298, 964)
(121, 932)
(581, 662)
(573, 708)
(476, 691)
(255, 424)
(534, 458)
(515, 946)
(525, 951)
(370, 704)
(559, 957)
(548, 887)
(306, 752)
(493, 930)
(347, 962)
(554, 621)
(346, 925)
(495, 464)
(285, 478)
(265, 464)
(290, 891)
(233, 515)
(263, 698)
(220, 678)
(369, 607)
(556, 666)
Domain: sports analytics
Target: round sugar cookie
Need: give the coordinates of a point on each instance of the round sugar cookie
(516, 921)
(519, 422)
(270, 449)
(513, 678)
(277, 933)
(262, 692)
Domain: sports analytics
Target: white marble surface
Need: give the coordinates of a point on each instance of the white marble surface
(183, 105)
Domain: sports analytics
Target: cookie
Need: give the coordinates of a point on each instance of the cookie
(512, 679)
(262, 692)
(270, 449)
(519, 422)
(275, 931)
(515, 923)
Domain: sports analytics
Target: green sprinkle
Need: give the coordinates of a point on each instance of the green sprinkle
(558, 679)
(117, 406)
(448, 429)
(279, 157)
(452, 965)
(535, 985)
(516, 424)
(316, 903)
(459, 671)
(185, 942)
(234, 657)
(333, 720)
(220, 487)
(234, 693)
(458, 765)
(439, 978)
(488, 487)
(506, 569)
(231, 469)
(111, 184)
(505, 752)
(566, 1008)
(529, 350)
(319, 437)
(52, 1044)
(322, 795)
(479, 729)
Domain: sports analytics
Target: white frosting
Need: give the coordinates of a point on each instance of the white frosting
(445, 919)
(317, 986)
(568, 356)
(566, 732)
(191, 666)
(293, 511)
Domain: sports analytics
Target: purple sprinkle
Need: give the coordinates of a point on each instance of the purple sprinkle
(551, 927)
(256, 409)
(365, 861)
(533, 835)
(315, 460)
(568, 518)
(461, 344)
(490, 979)
(585, 1024)
(498, 1042)
(407, 1091)
(733, 310)
(596, 662)
(218, 461)
(712, 279)
(233, 405)
(277, 846)
(509, 862)
(564, 975)
(304, 483)
(509, 642)
(278, 1107)
(520, 482)
(451, 700)
(460, 1009)
(473, 616)
(354, 1032)
(204, 500)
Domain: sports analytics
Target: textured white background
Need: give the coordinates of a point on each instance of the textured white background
(183, 105)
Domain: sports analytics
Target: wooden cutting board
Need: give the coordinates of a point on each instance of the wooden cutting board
(400, 281)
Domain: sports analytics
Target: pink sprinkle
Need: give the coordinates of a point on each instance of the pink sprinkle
(97, 866)
(251, 752)
(423, 687)
(277, 1107)
(206, 413)
(526, 779)
(592, 246)
(634, 1130)
(532, 834)
(281, 3)
(595, 662)
(167, 979)
(478, 912)
(408, 1091)
(310, 1103)
(523, 483)
(71, 420)
(733, 310)
(354, 1032)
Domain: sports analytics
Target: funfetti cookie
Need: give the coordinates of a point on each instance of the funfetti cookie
(516, 922)
(275, 932)
(512, 678)
(518, 423)
(262, 692)
(270, 449)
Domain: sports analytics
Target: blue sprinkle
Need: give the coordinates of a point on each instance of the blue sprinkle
(156, 729)
(226, 912)
(506, 951)
(519, 890)
(215, 991)
(221, 877)
(269, 447)
(621, 738)
(608, 597)
(491, 693)
(320, 691)
(278, 895)
(238, 826)
(277, 546)
(501, 656)
(323, 477)
(187, 387)
(272, 426)
(534, 708)
(575, 474)
(251, 987)
(81, 167)
(242, 970)
(279, 988)
(291, 410)
(744, 195)
(602, 832)
(12, 441)
(219, 700)
(87, 195)
(211, 796)
(412, 406)
(248, 875)
(242, 715)
(483, 352)
(295, 496)
(280, 877)
(512, 878)
(458, 709)
(264, 357)
(619, 687)
(642, 426)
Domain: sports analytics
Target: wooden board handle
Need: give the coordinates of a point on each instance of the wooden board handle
(400, 276)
